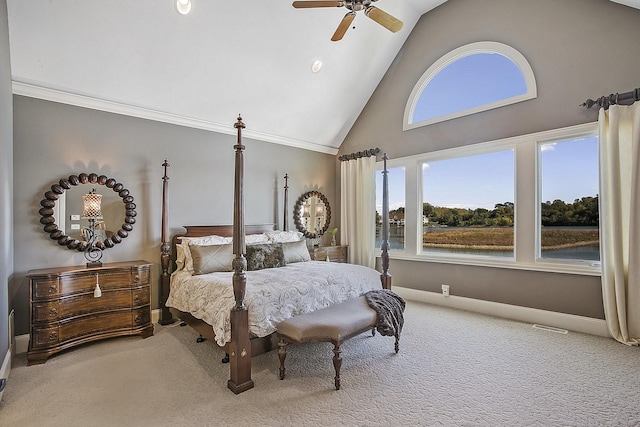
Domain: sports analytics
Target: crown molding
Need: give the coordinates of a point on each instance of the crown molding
(65, 97)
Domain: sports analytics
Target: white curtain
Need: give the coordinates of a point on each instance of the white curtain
(358, 209)
(619, 129)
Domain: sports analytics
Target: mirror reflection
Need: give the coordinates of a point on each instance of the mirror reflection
(312, 214)
(86, 211)
(81, 223)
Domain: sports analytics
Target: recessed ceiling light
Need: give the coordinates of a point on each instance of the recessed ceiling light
(183, 6)
(316, 66)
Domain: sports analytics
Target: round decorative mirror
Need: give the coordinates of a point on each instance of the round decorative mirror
(95, 233)
(312, 214)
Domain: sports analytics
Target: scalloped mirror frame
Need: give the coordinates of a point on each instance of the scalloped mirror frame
(48, 204)
(298, 208)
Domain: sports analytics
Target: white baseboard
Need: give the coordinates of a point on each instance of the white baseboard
(5, 369)
(22, 341)
(570, 322)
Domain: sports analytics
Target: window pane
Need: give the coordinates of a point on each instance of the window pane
(569, 219)
(468, 206)
(469, 82)
(396, 181)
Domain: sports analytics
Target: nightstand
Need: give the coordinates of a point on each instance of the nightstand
(333, 253)
(66, 309)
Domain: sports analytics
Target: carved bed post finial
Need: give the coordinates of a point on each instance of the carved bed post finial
(285, 223)
(165, 252)
(239, 348)
(385, 277)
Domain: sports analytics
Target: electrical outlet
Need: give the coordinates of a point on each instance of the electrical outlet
(445, 290)
(75, 217)
(75, 226)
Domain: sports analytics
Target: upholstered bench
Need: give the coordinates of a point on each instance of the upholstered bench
(335, 324)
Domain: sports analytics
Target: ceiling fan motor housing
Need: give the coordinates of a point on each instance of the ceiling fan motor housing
(358, 5)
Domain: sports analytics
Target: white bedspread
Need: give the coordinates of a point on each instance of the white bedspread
(273, 294)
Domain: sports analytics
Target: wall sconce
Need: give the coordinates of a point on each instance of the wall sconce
(319, 209)
(183, 6)
(92, 205)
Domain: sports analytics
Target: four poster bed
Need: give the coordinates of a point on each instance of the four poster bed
(234, 283)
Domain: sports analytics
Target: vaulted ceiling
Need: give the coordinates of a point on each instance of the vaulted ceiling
(253, 57)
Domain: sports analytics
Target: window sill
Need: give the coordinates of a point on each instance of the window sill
(585, 268)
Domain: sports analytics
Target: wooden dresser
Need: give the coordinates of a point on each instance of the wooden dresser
(65, 310)
(333, 253)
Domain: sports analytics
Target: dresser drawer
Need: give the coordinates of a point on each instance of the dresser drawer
(89, 326)
(81, 304)
(140, 296)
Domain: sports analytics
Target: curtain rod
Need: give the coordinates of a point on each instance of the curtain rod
(353, 156)
(613, 99)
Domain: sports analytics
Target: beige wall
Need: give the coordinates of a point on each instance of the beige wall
(53, 141)
(578, 49)
(6, 179)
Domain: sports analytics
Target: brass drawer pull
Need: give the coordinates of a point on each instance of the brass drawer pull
(53, 336)
(136, 278)
(137, 319)
(136, 298)
(53, 312)
(53, 289)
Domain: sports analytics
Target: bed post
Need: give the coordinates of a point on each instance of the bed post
(385, 277)
(285, 223)
(240, 346)
(165, 252)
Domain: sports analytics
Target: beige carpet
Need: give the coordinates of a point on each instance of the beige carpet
(454, 369)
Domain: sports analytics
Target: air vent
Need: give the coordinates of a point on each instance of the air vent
(551, 329)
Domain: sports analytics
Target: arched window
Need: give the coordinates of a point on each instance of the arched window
(473, 78)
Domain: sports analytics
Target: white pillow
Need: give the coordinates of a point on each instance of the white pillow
(295, 252)
(254, 239)
(207, 240)
(284, 236)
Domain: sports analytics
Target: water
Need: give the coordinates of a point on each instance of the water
(396, 242)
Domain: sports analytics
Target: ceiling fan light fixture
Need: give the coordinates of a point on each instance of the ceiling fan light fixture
(183, 6)
(316, 66)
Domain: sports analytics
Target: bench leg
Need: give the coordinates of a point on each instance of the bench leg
(397, 343)
(337, 364)
(282, 354)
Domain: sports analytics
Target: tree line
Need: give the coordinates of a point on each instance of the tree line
(582, 212)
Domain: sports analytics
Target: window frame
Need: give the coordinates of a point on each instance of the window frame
(527, 177)
(470, 49)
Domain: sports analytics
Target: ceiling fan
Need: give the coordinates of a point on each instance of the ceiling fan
(381, 17)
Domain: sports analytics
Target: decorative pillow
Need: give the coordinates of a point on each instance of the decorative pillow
(254, 239)
(211, 258)
(295, 252)
(284, 236)
(183, 253)
(265, 256)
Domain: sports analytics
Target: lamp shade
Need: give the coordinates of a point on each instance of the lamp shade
(92, 203)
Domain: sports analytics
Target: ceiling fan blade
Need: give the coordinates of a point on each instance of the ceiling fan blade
(343, 27)
(383, 18)
(307, 4)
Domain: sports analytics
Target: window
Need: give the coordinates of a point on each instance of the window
(568, 218)
(396, 181)
(527, 202)
(473, 78)
(468, 205)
